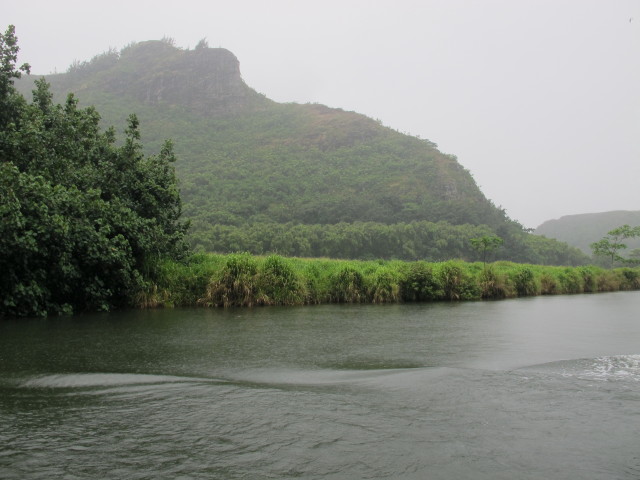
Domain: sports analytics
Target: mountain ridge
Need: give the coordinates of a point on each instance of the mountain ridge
(581, 230)
(246, 160)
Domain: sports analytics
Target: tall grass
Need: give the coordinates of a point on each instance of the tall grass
(457, 281)
(245, 280)
(235, 285)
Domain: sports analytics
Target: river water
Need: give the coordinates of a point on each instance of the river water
(536, 388)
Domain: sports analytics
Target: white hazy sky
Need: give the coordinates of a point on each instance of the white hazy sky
(539, 99)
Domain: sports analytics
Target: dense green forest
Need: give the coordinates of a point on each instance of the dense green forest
(85, 219)
(371, 240)
(307, 180)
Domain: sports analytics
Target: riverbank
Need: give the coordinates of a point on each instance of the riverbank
(213, 280)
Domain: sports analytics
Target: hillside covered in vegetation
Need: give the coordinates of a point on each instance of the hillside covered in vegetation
(304, 180)
(582, 230)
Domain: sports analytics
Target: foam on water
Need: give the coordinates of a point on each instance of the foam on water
(613, 367)
(283, 377)
(618, 366)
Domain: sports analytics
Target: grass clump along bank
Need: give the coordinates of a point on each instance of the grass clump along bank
(216, 280)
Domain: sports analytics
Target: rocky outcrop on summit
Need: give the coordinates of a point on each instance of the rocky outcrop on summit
(204, 80)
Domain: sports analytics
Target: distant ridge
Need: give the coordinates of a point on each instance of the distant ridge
(582, 230)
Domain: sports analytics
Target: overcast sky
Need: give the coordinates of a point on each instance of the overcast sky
(539, 99)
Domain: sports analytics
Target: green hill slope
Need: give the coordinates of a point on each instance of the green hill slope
(582, 230)
(248, 164)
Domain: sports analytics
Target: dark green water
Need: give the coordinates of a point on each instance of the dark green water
(541, 388)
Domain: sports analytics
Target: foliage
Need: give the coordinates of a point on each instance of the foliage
(589, 279)
(84, 222)
(630, 279)
(367, 240)
(245, 280)
(385, 286)
(524, 281)
(571, 281)
(611, 244)
(494, 285)
(548, 284)
(348, 286)
(455, 281)
(419, 284)
(279, 283)
(235, 285)
(9, 102)
(486, 243)
(634, 257)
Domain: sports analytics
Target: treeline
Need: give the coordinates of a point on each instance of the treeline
(245, 280)
(369, 240)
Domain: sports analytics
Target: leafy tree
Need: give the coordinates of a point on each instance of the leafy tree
(634, 256)
(202, 44)
(610, 245)
(84, 222)
(608, 248)
(486, 243)
(9, 102)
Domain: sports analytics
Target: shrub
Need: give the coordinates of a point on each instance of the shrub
(524, 282)
(419, 283)
(153, 297)
(456, 283)
(347, 286)
(570, 281)
(385, 286)
(608, 281)
(315, 284)
(279, 284)
(630, 279)
(493, 285)
(548, 284)
(236, 284)
(589, 283)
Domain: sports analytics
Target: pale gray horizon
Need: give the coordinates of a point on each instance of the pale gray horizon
(538, 99)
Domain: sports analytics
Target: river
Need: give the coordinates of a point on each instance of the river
(533, 388)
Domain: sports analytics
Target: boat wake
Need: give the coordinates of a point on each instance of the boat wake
(606, 368)
(88, 380)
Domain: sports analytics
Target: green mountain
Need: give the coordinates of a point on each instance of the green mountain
(582, 230)
(303, 180)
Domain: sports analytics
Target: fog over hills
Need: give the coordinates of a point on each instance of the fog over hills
(248, 164)
(584, 229)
